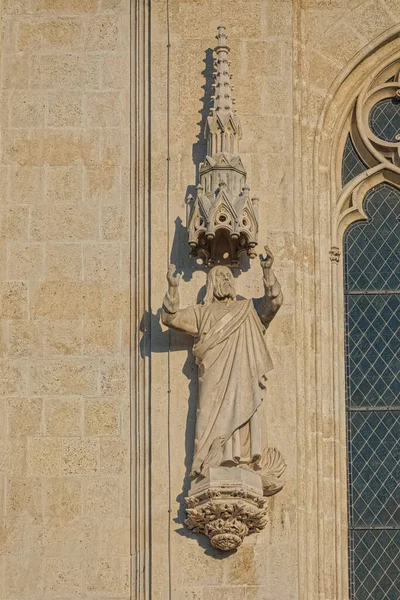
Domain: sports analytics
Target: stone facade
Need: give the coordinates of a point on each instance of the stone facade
(97, 398)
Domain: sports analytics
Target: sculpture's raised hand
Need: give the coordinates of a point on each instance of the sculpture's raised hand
(267, 262)
(173, 280)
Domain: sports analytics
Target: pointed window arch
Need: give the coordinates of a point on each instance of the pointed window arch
(371, 260)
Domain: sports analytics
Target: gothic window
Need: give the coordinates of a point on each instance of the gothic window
(371, 253)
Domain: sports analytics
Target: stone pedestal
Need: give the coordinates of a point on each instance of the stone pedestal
(227, 505)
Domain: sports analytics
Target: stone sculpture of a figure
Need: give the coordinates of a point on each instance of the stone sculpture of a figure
(231, 353)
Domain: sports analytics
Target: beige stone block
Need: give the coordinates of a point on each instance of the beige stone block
(340, 43)
(103, 109)
(5, 96)
(115, 147)
(115, 6)
(69, 223)
(322, 71)
(114, 536)
(223, 593)
(64, 377)
(65, 109)
(24, 496)
(30, 36)
(69, 148)
(63, 262)
(249, 23)
(63, 338)
(206, 19)
(125, 337)
(279, 18)
(115, 223)
(101, 496)
(114, 455)
(65, 6)
(25, 261)
(103, 184)
(13, 456)
(57, 300)
(114, 302)
(102, 417)
(3, 420)
(80, 456)
(26, 185)
(23, 577)
(62, 577)
(114, 377)
(102, 261)
(267, 57)
(276, 99)
(116, 71)
(103, 33)
(2, 499)
(4, 340)
(104, 301)
(16, 7)
(25, 416)
(12, 377)
(22, 147)
(27, 109)
(64, 536)
(12, 536)
(14, 223)
(63, 417)
(44, 457)
(62, 497)
(100, 337)
(62, 34)
(372, 18)
(67, 71)
(393, 8)
(64, 185)
(13, 300)
(104, 576)
(15, 71)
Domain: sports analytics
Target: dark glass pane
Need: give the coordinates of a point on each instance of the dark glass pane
(372, 313)
(352, 164)
(373, 349)
(375, 573)
(372, 248)
(374, 468)
(384, 119)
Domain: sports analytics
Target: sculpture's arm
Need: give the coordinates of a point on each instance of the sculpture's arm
(268, 306)
(184, 319)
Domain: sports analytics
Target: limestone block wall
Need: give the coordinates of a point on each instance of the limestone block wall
(86, 234)
(64, 299)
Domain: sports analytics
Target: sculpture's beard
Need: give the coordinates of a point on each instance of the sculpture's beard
(223, 290)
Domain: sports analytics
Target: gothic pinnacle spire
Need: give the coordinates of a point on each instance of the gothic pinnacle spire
(223, 222)
(223, 126)
(223, 100)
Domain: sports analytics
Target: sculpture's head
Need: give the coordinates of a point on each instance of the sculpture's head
(220, 284)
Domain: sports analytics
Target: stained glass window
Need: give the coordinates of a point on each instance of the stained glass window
(372, 309)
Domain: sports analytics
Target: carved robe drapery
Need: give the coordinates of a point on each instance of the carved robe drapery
(233, 360)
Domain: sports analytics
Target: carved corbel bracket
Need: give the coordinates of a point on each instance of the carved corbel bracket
(230, 503)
